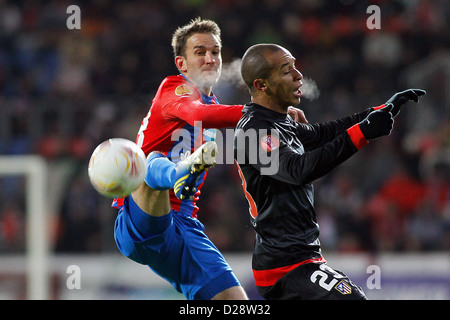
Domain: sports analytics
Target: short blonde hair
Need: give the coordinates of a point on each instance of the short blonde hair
(196, 25)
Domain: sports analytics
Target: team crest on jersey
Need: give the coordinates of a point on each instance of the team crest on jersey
(343, 287)
(183, 89)
(269, 143)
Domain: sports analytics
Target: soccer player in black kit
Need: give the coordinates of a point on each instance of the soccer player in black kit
(278, 159)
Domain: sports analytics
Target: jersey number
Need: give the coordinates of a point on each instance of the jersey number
(140, 138)
(323, 277)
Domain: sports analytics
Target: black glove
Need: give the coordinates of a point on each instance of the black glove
(400, 98)
(378, 123)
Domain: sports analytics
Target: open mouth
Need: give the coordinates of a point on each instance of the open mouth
(298, 93)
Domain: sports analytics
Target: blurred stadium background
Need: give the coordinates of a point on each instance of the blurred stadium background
(64, 91)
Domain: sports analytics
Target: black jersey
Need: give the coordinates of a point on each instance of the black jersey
(278, 159)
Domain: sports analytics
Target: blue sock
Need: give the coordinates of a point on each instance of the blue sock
(160, 172)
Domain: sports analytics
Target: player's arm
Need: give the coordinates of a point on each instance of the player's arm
(275, 157)
(315, 163)
(289, 165)
(186, 105)
(179, 100)
(317, 134)
(314, 135)
(211, 116)
(216, 115)
(304, 168)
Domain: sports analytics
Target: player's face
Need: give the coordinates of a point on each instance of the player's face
(202, 63)
(285, 80)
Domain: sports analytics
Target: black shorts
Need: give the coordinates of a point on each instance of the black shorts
(313, 281)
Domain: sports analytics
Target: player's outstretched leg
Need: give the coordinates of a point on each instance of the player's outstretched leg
(160, 171)
(163, 174)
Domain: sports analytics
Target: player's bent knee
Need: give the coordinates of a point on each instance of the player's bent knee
(153, 202)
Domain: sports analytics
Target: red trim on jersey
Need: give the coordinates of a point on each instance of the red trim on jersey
(253, 210)
(379, 107)
(266, 278)
(357, 136)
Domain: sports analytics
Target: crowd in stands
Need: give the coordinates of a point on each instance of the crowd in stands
(63, 91)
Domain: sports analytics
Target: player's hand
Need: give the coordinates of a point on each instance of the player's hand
(378, 123)
(297, 114)
(400, 98)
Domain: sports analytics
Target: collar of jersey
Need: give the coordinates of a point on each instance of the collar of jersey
(271, 113)
(205, 99)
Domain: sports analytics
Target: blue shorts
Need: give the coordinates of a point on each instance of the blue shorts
(176, 248)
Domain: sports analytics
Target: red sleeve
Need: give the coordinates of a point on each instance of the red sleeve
(211, 115)
(181, 100)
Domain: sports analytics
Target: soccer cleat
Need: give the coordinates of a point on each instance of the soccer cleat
(191, 166)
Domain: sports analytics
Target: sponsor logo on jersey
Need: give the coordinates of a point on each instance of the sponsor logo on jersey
(343, 287)
(183, 89)
(269, 143)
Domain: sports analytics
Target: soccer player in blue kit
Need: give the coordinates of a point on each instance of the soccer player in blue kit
(157, 224)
